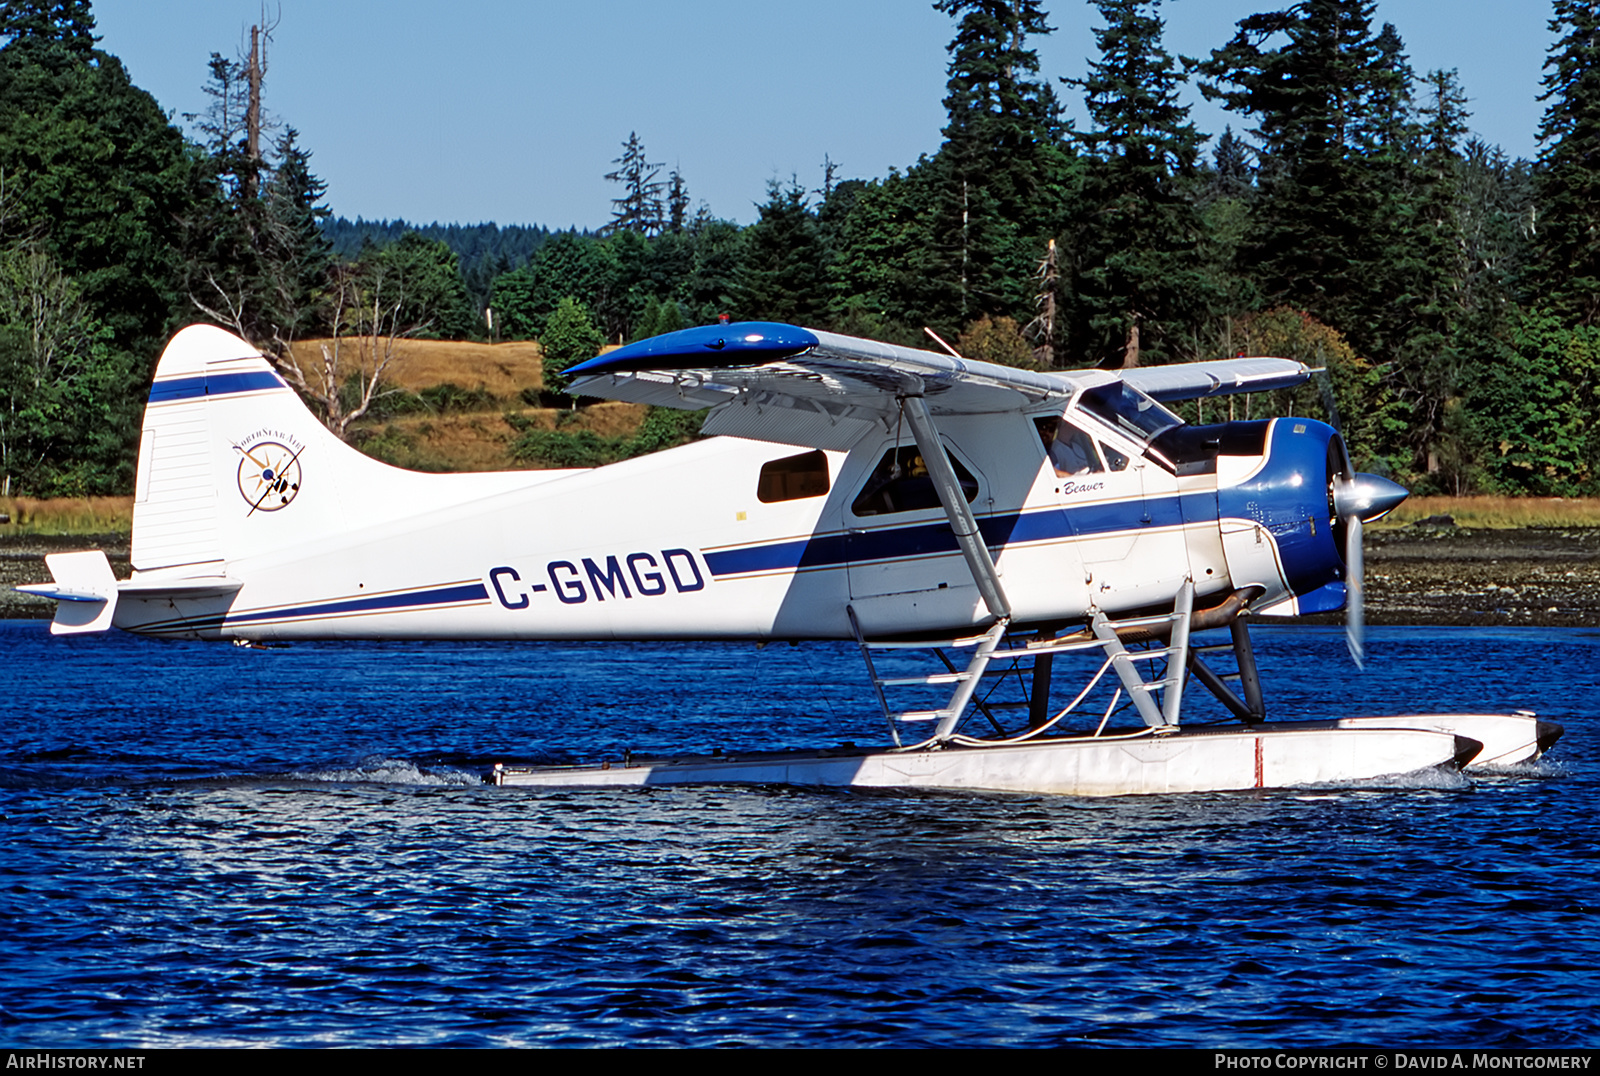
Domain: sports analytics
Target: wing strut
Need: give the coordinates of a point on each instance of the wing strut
(970, 539)
(962, 522)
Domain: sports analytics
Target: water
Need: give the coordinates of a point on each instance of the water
(211, 846)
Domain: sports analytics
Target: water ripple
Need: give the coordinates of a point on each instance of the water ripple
(193, 860)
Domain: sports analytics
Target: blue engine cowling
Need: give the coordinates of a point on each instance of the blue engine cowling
(1290, 498)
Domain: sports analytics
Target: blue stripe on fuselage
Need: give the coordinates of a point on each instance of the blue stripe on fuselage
(935, 538)
(461, 592)
(404, 601)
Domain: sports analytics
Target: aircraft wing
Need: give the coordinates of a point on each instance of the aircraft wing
(783, 383)
(1221, 377)
(803, 386)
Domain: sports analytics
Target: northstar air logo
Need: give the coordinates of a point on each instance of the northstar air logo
(269, 471)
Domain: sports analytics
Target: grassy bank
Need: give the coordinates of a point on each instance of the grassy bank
(66, 515)
(501, 370)
(1499, 513)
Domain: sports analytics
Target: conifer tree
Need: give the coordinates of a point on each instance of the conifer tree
(714, 260)
(883, 277)
(677, 203)
(990, 180)
(1421, 308)
(1497, 215)
(783, 269)
(66, 25)
(296, 255)
(1312, 233)
(1138, 282)
(1230, 174)
(1565, 273)
(639, 208)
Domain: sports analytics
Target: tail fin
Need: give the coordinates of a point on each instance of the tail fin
(226, 441)
(232, 465)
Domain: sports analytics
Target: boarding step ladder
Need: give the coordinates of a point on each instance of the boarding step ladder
(988, 650)
(964, 681)
(1174, 626)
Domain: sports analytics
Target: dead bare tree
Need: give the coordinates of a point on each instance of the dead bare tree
(227, 308)
(1042, 329)
(254, 70)
(1130, 349)
(366, 317)
(232, 127)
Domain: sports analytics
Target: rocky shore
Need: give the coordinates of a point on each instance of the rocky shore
(22, 561)
(1446, 575)
(1415, 575)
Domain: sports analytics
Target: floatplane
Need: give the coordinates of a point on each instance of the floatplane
(902, 499)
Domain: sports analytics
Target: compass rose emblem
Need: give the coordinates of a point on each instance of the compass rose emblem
(269, 475)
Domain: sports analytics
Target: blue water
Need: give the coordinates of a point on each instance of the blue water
(201, 845)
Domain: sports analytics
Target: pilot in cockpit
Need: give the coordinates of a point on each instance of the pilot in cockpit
(1069, 449)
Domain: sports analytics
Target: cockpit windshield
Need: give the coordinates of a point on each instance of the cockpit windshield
(1128, 410)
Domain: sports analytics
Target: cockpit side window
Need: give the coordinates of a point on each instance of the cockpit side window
(793, 477)
(1069, 449)
(901, 483)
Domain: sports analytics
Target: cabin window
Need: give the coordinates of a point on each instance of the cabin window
(1116, 460)
(1068, 448)
(793, 477)
(901, 483)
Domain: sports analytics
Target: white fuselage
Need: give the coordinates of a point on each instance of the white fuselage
(681, 545)
(252, 521)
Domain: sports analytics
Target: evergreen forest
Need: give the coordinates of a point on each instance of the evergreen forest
(1346, 218)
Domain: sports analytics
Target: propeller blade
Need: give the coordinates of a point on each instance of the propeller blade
(1355, 622)
(1358, 499)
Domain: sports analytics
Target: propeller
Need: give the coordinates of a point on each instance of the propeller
(1359, 499)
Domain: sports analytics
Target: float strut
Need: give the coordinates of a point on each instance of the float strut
(1039, 695)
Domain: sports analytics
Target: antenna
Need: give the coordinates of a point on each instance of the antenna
(940, 341)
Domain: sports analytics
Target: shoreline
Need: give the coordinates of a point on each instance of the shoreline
(1538, 577)
(1419, 574)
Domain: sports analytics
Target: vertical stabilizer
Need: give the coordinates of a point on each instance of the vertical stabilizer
(231, 462)
(175, 499)
(232, 465)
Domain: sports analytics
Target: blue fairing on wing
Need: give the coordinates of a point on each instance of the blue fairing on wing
(746, 343)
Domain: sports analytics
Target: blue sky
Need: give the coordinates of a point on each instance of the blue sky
(497, 110)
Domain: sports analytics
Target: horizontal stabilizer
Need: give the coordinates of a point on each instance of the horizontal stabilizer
(85, 589)
(215, 586)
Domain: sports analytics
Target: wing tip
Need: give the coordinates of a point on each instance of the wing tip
(744, 343)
